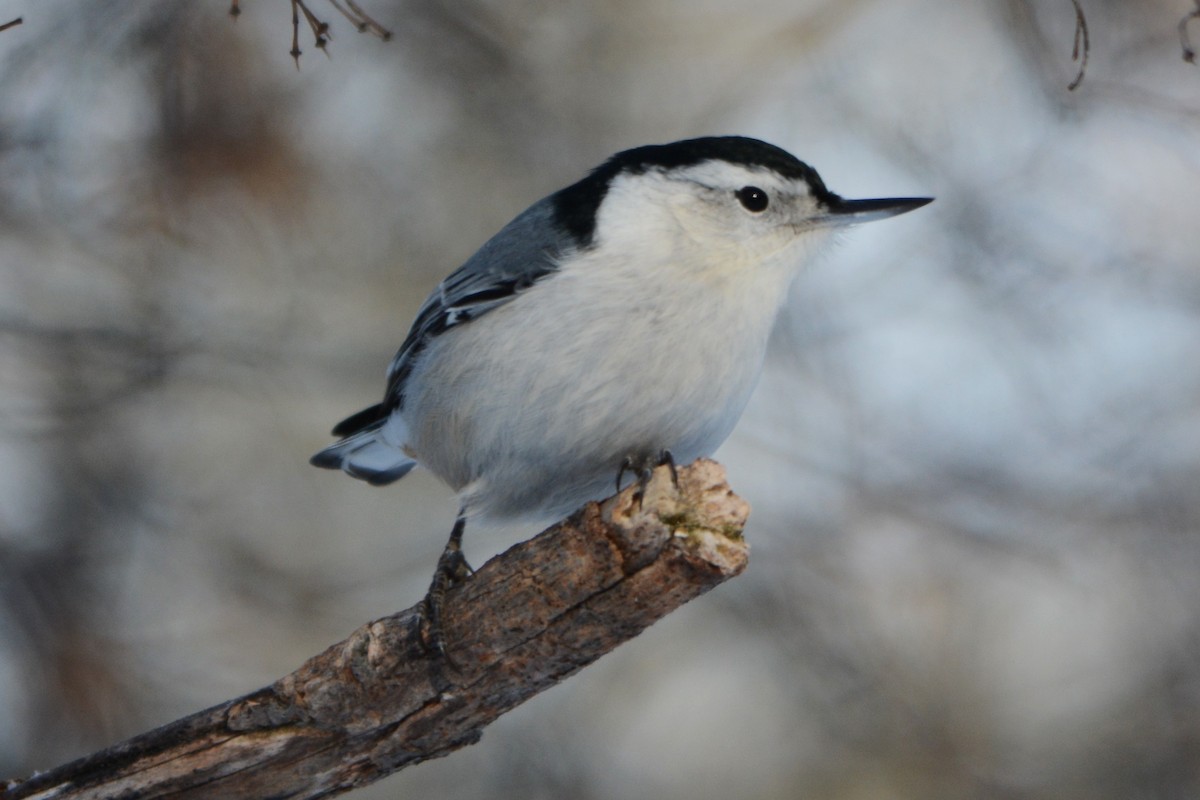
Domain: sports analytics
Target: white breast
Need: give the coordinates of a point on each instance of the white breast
(533, 407)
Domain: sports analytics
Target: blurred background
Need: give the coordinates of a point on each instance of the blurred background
(973, 459)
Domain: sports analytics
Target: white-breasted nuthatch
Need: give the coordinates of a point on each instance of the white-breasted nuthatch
(616, 323)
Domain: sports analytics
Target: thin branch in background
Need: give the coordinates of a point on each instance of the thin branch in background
(1082, 45)
(295, 51)
(360, 19)
(320, 30)
(12, 23)
(365, 24)
(1185, 41)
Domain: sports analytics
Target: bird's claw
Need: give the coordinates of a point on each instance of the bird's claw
(643, 470)
(452, 569)
(666, 459)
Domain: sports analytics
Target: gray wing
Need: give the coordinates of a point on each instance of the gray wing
(522, 253)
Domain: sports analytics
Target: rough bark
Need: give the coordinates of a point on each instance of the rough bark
(378, 701)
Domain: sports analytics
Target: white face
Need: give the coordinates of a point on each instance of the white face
(713, 216)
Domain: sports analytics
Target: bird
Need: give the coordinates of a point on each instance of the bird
(614, 325)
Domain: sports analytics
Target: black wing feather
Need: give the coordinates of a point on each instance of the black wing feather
(363, 419)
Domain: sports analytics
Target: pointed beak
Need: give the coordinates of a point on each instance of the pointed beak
(839, 211)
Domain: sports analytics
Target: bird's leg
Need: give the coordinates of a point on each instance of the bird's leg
(642, 468)
(452, 568)
(665, 459)
(627, 465)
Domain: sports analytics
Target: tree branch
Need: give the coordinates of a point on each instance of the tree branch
(377, 702)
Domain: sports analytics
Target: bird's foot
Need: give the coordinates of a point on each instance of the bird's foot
(452, 569)
(643, 468)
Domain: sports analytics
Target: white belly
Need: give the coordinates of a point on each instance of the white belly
(528, 414)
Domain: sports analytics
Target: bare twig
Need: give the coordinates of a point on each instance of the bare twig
(378, 702)
(320, 30)
(295, 51)
(1185, 41)
(12, 23)
(1082, 45)
(360, 19)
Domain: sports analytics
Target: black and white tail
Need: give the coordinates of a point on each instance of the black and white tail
(364, 452)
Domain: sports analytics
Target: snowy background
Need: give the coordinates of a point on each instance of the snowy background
(973, 461)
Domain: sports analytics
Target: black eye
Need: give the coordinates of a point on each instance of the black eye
(752, 198)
